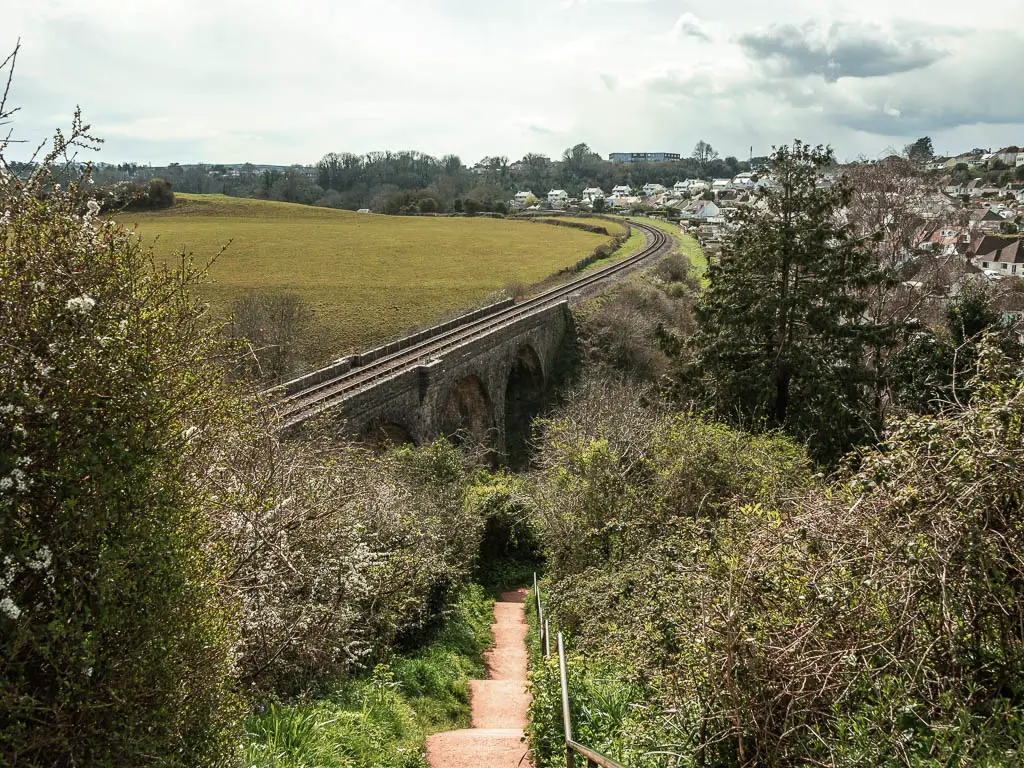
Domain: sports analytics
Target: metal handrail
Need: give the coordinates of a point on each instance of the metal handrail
(572, 747)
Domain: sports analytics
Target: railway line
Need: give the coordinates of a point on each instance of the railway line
(301, 405)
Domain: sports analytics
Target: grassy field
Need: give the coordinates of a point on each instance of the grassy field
(366, 277)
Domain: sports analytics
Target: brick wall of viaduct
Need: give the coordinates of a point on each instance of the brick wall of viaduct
(467, 389)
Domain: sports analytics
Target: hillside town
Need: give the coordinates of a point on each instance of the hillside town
(970, 206)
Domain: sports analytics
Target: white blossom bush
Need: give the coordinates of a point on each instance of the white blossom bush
(116, 640)
(339, 555)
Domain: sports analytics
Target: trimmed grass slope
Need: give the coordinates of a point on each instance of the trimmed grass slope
(366, 277)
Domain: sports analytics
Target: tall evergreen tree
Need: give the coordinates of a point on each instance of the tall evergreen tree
(782, 329)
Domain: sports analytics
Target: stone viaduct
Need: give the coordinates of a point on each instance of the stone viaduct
(479, 378)
(482, 390)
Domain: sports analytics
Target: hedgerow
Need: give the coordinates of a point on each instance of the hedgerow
(115, 638)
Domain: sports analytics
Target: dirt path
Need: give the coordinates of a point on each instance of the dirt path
(498, 704)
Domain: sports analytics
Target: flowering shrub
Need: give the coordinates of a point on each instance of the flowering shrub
(339, 555)
(114, 637)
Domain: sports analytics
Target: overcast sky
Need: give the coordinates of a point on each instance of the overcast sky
(286, 82)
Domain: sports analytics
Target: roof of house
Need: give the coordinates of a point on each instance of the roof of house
(990, 215)
(1011, 254)
(994, 248)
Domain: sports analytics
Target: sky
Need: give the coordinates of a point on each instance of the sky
(274, 82)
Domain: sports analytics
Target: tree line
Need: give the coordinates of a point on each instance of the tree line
(411, 181)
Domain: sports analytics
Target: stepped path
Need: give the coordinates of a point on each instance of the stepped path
(498, 704)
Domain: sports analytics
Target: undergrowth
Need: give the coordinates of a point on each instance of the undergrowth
(381, 720)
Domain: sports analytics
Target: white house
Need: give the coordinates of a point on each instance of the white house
(744, 180)
(653, 189)
(696, 187)
(720, 185)
(1006, 256)
(681, 187)
(590, 194)
(622, 190)
(558, 197)
(703, 210)
(522, 196)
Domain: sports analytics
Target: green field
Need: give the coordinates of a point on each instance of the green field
(366, 277)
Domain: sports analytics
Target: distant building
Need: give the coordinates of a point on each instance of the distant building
(558, 197)
(653, 189)
(590, 194)
(644, 157)
(622, 190)
(1000, 254)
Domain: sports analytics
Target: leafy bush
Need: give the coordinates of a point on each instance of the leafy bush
(133, 196)
(381, 719)
(769, 620)
(339, 555)
(115, 640)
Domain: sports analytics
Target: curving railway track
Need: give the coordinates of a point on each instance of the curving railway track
(304, 404)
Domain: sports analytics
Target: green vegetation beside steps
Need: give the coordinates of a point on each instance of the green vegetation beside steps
(381, 720)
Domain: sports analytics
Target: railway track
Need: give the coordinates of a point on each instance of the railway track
(308, 402)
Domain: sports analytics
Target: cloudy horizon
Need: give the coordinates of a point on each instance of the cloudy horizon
(228, 81)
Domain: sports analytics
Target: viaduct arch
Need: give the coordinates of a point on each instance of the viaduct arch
(484, 391)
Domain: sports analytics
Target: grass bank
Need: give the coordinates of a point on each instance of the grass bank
(381, 720)
(687, 245)
(366, 277)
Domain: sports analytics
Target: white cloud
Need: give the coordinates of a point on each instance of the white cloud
(229, 81)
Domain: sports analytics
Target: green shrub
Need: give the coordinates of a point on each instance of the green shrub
(773, 620)
(339, 555)
(115, 639)
(381, 719)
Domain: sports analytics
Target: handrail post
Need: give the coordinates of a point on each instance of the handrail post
(566, 716)
(547, 638)
(542, 625)
(536, 597)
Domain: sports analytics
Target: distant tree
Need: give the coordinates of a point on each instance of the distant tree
(600, 205)
(703, 155)
(160, 194)
(961, 174)
(530, 201)
(427, 205)
(920, 151)
(272, 325)
(782, 335)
